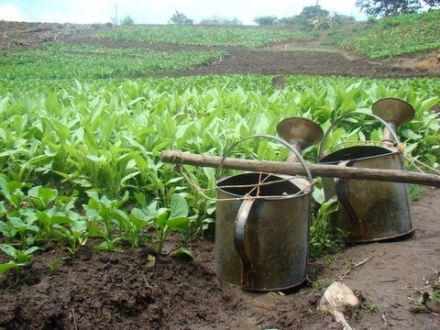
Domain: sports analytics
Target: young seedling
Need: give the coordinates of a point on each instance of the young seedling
(18, 258)
(23, 223)
(323, 237)
(105, 214)
(75, 232)
(53, 266)
(135, 232)
(164, 220)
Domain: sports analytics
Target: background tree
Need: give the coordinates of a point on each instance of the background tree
(266, 20)
(314, 18)
(127, 20)
(432, 4)
(386, 8)
(338, 19)
(180, 18)
(311, 12)
(217, 20)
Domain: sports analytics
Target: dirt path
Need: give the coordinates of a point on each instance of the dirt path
(397, 271)
(101, 290)
(308, 59)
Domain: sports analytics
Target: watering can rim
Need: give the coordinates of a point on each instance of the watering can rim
(327, 132)
(300, 193)
(268, 136)
(390, 151)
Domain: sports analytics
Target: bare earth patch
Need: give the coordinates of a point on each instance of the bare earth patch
(102, 290)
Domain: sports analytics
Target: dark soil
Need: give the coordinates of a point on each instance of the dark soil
(293, 58)
(103, 290)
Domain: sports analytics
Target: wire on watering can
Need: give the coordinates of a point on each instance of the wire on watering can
(414, 160)
(182, 170)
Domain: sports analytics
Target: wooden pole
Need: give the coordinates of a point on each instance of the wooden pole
(184, 158)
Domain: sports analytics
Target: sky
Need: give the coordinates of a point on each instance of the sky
(161, 11)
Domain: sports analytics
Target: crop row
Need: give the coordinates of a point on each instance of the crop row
(68, 60)
(251, 37)
(75, 153)
(403, 34)
(108, 135)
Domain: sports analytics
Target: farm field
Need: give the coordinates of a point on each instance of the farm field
(123, 289)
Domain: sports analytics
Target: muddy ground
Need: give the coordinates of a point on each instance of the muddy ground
(101, 290)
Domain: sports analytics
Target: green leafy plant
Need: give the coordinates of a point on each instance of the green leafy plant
(18, 258)
(12, 193)
(323, 237)
(199, 35)
(87, 61)
(75, 231)
(402, 34)
(23, 224)
(105, 215)
(19, 218)
(165, 220)
(53, 266)
(137, 230)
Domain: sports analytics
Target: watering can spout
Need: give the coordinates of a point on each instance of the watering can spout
(301, 133)
(395, 112)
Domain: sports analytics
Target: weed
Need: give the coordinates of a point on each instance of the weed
(53, 266)
(428, 299)
(349, 265)
(416, 192)
(371, 308)
(321, 284)
(323, 236)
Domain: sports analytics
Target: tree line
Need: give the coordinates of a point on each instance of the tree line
(315, 17)
(387, 8)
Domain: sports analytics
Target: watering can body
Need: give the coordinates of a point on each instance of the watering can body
(369, 210)
(262, 227)
(272, 252)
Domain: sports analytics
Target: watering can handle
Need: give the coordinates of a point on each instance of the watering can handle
(341, 193)
(240, 229)
(285, 143)
(387, 125)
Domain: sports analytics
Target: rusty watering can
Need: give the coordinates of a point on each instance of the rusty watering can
(371, 211)
(262, 227)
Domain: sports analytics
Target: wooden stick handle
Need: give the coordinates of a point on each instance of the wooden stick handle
(179, 157)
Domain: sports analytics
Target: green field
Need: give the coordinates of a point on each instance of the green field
(403, 34)
(77, 149)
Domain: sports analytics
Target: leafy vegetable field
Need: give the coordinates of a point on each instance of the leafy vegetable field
(87, 61)
(253, 37)
(99, 143)
(403, 34)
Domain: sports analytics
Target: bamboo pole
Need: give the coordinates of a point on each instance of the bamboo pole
(179, 157)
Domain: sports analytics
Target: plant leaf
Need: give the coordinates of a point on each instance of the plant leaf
(9, 265)
(178, 206)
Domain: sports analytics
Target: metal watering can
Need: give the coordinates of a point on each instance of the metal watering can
(371, 210)
(262, 223)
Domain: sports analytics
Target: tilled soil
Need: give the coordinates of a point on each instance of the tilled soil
(295, 58)
(124, 290)
(104, 290)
